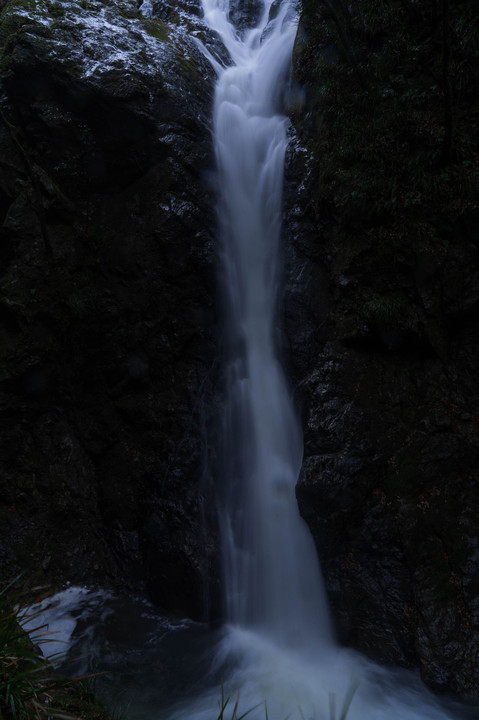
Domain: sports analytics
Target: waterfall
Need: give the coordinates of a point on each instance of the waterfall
(271, 572)
(278, 645)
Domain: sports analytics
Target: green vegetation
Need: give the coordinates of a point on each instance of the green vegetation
(30, 688)
(348, 699)
(56, 10)
(384, 311)
(127, 11)
(334, 714)
(224, 709)
(156, 28)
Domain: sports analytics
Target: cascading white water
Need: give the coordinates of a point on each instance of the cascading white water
(278, 646)
(272, 575)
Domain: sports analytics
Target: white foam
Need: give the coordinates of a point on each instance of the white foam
(52, 622)
(288, 683)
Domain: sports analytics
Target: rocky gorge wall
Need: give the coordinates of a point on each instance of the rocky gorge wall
(384, 285)
(107, 299)
(109, 374)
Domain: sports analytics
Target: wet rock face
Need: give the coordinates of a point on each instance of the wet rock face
(107, 300)
(384, 347)
(245, 14)
(389, 485)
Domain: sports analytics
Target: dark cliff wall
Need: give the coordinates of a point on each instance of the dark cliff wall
(107, 300)
(384, 287)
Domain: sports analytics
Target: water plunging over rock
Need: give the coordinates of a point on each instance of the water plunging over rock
(279, 639)
(271, 569)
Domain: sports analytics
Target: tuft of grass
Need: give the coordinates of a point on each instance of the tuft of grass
(333, 715)
(225, 701)
(348, 699)
(30, 688)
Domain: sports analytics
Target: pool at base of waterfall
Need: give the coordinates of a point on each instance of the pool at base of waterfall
(147, 660)
(158, 667)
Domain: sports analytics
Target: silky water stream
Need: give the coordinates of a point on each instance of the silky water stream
(279, 645)
(277, 651)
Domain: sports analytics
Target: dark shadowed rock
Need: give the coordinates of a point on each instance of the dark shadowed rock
(107, 300)
(380, 314)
